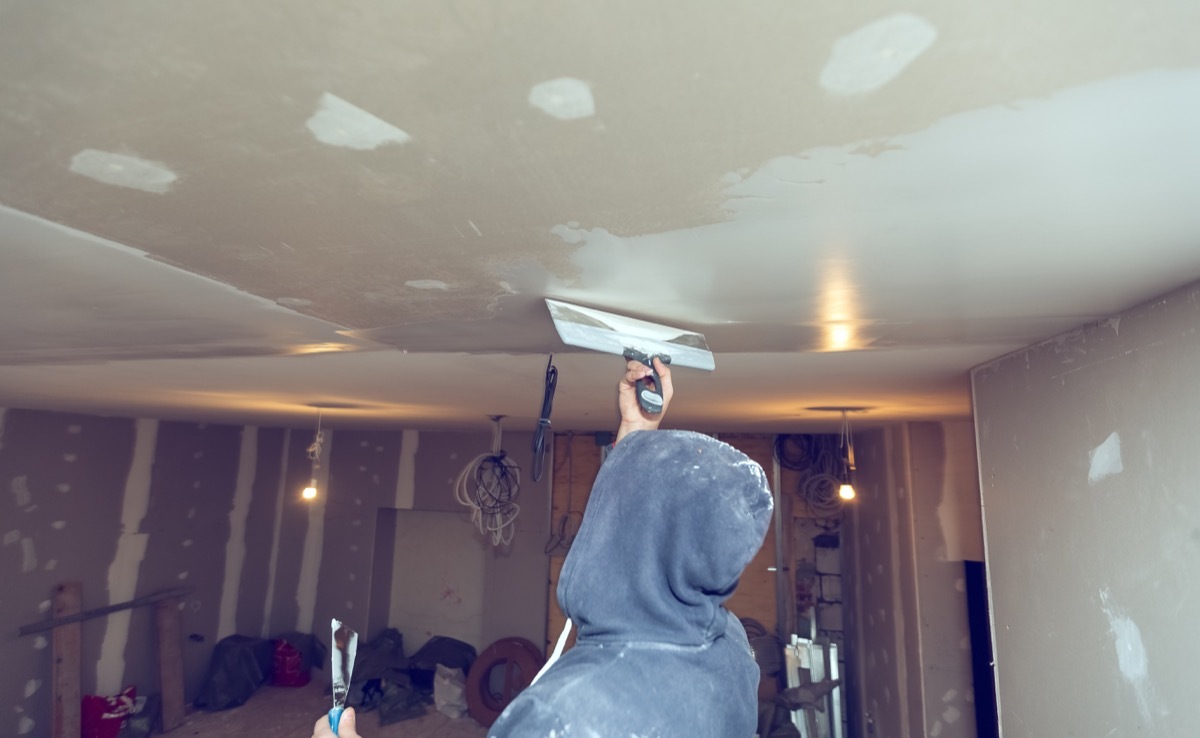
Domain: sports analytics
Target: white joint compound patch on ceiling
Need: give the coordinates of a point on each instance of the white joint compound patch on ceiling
(565, 98)
(28, 556)
(426, 284)
(20, 491)
(123, 170)
(339, 123)
(876, 54)
(1105, 459)
(1131, 655)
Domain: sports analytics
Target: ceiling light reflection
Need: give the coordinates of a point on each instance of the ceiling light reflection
(837, 307)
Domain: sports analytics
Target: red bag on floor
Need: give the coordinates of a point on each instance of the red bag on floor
(103, 717)
(288, 667)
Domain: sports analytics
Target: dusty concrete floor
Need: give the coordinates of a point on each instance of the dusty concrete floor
(289, 712)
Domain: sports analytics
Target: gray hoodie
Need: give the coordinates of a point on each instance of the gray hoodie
(673, 519)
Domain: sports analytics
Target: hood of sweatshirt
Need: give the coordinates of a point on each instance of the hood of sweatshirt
(673, 519)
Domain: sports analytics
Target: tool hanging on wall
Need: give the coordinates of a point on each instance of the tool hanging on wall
(634, 339)
(543, 428)
(489, 484)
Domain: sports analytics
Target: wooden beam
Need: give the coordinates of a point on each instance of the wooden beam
(78, 616)
(170, 661)
(67, 668)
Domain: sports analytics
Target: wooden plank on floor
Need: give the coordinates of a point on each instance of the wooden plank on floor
(66, 669)
(170, 661)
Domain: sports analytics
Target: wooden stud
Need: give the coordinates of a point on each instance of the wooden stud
(67, 668)
(170, 661)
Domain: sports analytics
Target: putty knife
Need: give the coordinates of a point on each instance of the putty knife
(345, 646)
(634, 339)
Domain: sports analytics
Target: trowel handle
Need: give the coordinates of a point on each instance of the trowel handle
(335, 716)
(650, 399)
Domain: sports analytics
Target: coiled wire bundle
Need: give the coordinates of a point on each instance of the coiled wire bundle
(817, 459)
(489, 485)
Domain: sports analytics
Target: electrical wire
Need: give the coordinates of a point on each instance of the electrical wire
(817, 458)
(820, 492)
(492, 499)
(543, 427)
(794, 452)
(314, 448)
(314, 459)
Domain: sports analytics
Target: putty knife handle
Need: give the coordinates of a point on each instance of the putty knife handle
(650, 399)
(335, 716)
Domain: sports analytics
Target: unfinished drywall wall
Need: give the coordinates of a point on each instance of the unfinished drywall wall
(947, 530)
(131, 507)
(1088, 468)
(915, 521)
(882, 640)
(61, 519)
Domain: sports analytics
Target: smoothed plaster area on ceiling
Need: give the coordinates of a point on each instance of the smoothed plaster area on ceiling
(1061, 185)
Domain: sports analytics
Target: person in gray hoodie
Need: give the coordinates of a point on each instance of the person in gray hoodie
(673, 519)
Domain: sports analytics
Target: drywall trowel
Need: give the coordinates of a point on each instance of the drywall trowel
(634, 339)
(345, 645)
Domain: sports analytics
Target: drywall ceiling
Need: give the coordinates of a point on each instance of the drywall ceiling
(232, 211)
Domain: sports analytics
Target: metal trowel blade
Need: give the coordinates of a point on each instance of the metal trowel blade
(616, 334)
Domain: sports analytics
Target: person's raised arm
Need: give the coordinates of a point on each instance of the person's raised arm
(632, 416)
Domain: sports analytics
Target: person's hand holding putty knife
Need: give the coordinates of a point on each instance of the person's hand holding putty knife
(341, 721)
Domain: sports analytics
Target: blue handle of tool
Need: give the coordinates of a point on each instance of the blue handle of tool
(335, 716)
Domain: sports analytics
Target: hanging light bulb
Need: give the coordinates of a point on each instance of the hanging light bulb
(314, 456)
(846, 489)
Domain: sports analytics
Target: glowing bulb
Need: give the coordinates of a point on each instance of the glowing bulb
(841, 337)
(310, 492)
(846, 491)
